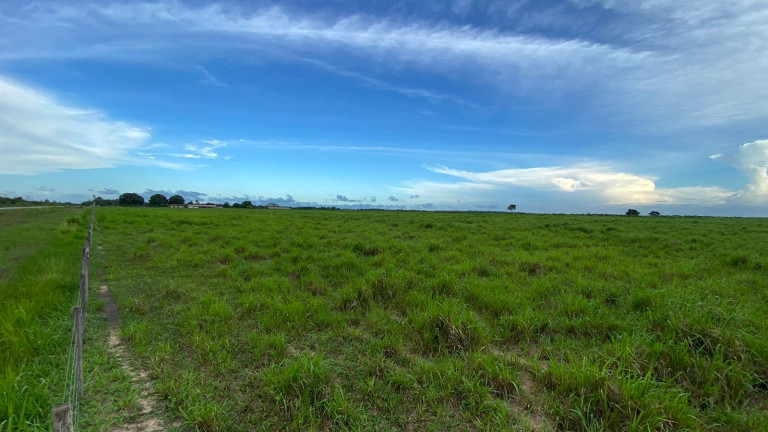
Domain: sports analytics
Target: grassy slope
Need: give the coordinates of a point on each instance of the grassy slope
(39, 276)
(393, 320)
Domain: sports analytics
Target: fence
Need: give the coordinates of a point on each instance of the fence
(65, 417)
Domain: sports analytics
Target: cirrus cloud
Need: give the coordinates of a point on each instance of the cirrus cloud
(645, 70)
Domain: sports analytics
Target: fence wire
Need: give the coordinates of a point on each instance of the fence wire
(73, 386)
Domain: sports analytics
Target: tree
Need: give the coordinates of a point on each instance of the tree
(101, 202)
(247, 204)
(512, 207)
(158, 200)
(654, 213)
(131, 199)
(226, 205)
(632, 212)
(176, 199)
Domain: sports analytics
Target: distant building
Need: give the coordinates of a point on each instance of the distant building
(277, 207)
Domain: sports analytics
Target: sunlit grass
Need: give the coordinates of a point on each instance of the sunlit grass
(306, 320)
(39, 278)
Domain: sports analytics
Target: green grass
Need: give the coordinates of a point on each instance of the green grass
(40, 251)
(319, 320)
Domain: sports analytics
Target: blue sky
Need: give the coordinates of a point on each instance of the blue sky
(557, 106)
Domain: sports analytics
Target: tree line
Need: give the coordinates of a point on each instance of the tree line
(131, 199)
(635, 212)
(21, 202)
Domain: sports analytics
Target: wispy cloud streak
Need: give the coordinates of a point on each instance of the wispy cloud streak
(41, 134)
(701, 63)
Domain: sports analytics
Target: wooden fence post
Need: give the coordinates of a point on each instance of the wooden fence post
(61, 418)
(78, 350)
(82, 288)
(85, 275)
(87, 271)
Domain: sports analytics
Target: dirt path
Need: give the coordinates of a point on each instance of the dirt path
(147, 419)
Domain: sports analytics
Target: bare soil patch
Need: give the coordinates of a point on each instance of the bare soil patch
(146, 420)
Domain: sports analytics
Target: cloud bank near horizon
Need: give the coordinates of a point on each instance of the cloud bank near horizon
(605, 185)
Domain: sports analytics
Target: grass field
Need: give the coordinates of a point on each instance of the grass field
(300, 320)
(40, 252)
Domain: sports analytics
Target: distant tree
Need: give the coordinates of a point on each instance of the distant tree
(632, 212)
(158, 200)
(101, 202)
(226, 205)
(654, 213)
(512, 207)
(131, 199)
(176, 199)
(247, 204)
(237, 205)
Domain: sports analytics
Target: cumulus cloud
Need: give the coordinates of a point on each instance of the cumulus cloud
(604, 184)
(752, 160)
(392, 198)
(108, 191)
(343, 198)
(40, 134)
(288, 200)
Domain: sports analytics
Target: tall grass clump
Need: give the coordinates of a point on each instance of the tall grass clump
(448, 327)
(302, 389)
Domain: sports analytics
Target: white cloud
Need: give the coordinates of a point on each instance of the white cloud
(40, 134)
(660, 62)
(442, 192)
(600, 183)
(752, 160)
(432, 96)
(209, 78)
(165, 29)
(206, 151)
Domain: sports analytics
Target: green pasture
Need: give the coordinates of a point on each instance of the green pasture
(374, 320)
(40, 257)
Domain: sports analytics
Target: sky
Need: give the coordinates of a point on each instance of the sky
(580, 106)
